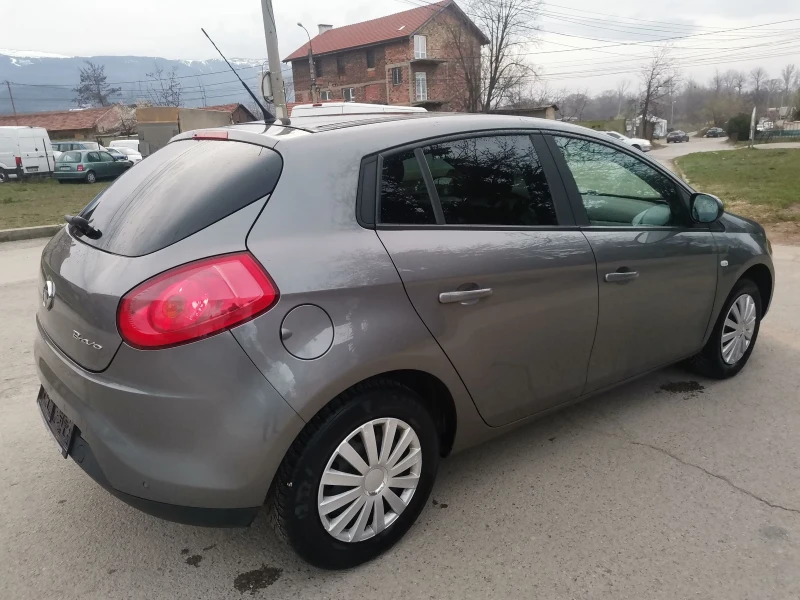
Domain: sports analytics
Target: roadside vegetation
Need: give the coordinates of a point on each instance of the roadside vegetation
(759, 184)
(43, 202)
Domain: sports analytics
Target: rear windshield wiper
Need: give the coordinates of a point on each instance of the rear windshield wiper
(83, 226)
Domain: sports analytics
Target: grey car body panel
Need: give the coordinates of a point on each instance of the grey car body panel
(206, 424)
(89, 283)
(195, 425)
(524, 348)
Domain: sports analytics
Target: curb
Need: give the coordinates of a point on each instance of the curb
(29, 233)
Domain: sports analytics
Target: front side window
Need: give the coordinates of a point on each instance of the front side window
(618, 189)
(420, 46)
(397, 75)
(106, 157)
(421, 80)
(404, 197)
(492, 180)
(349, 94)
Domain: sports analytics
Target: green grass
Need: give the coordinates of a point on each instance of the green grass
(762, 184)
(43, 202)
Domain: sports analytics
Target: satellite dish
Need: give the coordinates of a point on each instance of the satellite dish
(266, 86)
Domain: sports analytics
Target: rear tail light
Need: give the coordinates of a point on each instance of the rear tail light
(194, 301)
(18, 160)
(80, 167)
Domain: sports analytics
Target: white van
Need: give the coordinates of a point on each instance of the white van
(25, 151)
(133, 144)
(321, 109)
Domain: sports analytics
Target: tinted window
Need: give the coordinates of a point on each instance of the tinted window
(179, 190)
(404, 198)
(617, 188)
(69, 157)
(495, 180)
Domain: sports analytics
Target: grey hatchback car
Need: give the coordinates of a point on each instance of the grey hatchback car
(313, 314)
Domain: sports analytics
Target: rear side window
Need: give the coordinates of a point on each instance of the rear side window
(70, 157)
(404, 198)
(179, 190)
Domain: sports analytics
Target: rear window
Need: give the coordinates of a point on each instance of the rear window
(70, 157)
(179, 190)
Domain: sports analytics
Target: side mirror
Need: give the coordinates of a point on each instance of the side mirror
(705, 208)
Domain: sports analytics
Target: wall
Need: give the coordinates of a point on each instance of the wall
(155, 135)
(198, 118)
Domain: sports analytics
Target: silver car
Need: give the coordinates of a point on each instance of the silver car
(353, 298)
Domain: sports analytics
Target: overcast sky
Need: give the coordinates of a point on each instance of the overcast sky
(622, 30)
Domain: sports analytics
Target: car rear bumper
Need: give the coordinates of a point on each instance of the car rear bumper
(194, 443)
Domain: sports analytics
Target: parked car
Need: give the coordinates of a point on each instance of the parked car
(25, 152)
(77, 145)
(716, 132)
(89, 166)
(133, 144)
(131, 154)
(677, 136)
(638, 143)
(253, 333)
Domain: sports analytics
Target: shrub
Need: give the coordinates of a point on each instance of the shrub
(738, 127)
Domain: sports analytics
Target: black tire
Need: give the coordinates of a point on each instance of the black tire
(294, 494)
(90, 177)
(709, 361)
(3, 176)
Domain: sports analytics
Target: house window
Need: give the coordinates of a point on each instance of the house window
(420, 46)
(370, 59)
(349, 94)
(340, 65)
(325, 95)
(318, 67)
(397, 75)
(422, 85)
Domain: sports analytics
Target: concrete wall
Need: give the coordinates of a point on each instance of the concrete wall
(199, 118)
(155, 136)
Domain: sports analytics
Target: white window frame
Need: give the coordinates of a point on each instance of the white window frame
(325, 95)
(352, 92)
(420, 46)
(421, 86)
(399, 79)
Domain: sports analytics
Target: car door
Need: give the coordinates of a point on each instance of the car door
(483, 239)
(656, 272)
(112, 167)
(96, 165)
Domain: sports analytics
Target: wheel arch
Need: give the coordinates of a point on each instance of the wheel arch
(761, 275)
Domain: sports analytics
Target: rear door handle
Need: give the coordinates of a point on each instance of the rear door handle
(464, 296)
(621, 276)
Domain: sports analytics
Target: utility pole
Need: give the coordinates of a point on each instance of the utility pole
(10, 95)
(311, 69)
(275, 74)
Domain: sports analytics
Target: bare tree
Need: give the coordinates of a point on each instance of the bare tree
(622, 87)
(657, 78)
(738, 80)
(127, 121)
(165, 88)
(757, 78)
(492, 75)
(573, 105)
(93, 89)
(788, 75)
(773, 87)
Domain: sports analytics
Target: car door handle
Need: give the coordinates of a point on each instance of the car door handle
(621, 276)
(464, 296)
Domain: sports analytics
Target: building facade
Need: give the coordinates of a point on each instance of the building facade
(412, 58)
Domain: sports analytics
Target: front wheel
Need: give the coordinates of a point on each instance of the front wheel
(91, 177)
(357, 476)
(734, 336)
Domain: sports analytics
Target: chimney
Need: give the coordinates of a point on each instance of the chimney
(323, 28)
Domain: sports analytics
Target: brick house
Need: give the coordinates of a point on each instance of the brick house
(86, 124)
(407, 58)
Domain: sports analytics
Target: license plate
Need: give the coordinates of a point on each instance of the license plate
(33, 169)
(60, 425)
(65, 168)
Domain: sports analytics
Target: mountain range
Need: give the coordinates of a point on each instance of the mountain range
(42, 81)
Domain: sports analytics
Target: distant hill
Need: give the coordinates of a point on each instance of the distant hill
(43, 81)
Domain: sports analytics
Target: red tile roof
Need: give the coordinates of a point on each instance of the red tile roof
(397, 26)
(61, 120)
(224, 107)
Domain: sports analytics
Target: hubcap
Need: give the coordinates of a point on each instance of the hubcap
(737, 332)
(369, 480)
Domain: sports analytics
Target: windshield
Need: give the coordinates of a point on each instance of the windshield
(69, 157)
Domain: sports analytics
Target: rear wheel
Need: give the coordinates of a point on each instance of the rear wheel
(734, 336)
(91, 177)
(357, 477)
(3, 176)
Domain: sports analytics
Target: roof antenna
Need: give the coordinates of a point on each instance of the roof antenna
(268, 116)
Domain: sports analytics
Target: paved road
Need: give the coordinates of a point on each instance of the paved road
(670, 151)
(662, 489)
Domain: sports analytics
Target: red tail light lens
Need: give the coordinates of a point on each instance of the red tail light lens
(80, 167)
(18, 160)
(195, 301)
